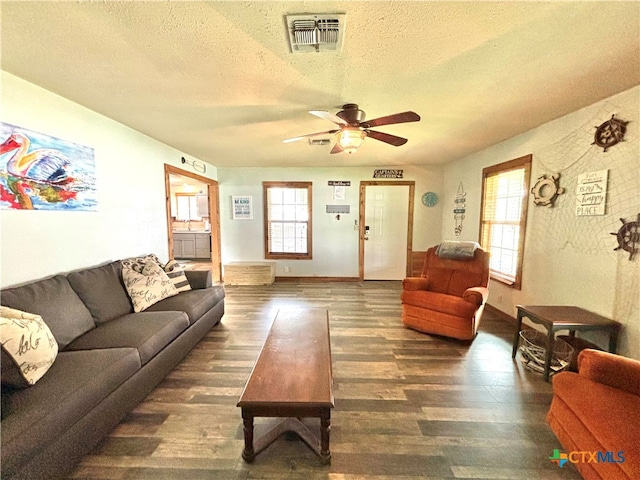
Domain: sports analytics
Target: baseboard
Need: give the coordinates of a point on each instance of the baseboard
(499, 313)
(317, 279)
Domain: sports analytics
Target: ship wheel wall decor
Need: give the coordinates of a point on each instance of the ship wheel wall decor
(629, 237)
(610, 133)
(546, 190)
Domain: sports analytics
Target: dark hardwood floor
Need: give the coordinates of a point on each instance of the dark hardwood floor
(407, 405)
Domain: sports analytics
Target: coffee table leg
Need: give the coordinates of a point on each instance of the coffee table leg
(248, 454)
(325, 429)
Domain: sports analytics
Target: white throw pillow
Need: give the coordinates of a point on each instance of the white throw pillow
(175, 272)
(146, 284)
(27, 342)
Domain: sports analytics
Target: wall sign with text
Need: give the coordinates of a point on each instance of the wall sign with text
(388, 173)
(591, 193)
(242, 206)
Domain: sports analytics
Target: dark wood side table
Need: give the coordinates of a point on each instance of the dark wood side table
(558, 317)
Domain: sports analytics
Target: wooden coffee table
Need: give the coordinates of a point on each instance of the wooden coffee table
(292, 378)
(558, 317)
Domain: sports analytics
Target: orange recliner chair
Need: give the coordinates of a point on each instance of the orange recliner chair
(597, 410)
(449, 297)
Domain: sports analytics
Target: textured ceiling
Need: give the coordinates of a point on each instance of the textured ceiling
(217, 80)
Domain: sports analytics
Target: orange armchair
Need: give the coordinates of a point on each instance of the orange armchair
(598, 410)
(449, 297)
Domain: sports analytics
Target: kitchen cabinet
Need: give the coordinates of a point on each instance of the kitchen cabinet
(203, 245)
(192, 245)
(202, 205)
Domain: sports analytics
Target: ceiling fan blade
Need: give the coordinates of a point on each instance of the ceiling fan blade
(329, 116)
(295, 139)
(386, 138)
(336, 148)
(403, 117)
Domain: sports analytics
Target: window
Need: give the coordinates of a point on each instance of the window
(503, 217)
(187, 207)
(287, 213)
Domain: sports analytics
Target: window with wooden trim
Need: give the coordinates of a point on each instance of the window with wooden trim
(186, 207)
(287, 217)
(503, 217)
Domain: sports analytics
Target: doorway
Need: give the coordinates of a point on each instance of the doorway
(211, 205)
(386, 229)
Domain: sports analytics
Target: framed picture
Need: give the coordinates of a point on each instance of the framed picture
(41, 172)
(242, 207)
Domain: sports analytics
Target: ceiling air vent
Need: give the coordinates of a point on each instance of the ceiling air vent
(316, 33)
(319, 141)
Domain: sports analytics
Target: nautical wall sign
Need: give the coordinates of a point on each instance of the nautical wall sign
(388, 173)
(339, 183)
(591, 193)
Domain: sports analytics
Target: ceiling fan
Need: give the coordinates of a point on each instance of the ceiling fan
(353, 128)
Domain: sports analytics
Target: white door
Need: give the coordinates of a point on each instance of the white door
(385, 218)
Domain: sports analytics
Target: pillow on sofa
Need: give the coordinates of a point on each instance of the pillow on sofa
(146, 283)
(143, 259)
(28, 347)
(175, 272)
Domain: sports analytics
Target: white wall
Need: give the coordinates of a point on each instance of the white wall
(568, 260)
(335, 242)
(131, 216)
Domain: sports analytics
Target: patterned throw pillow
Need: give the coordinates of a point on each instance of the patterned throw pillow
(146, 283)
(28, 347)
(175, 272)
(141, 261)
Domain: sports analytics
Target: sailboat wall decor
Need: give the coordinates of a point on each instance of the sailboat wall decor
(459, 209)
(41, 172)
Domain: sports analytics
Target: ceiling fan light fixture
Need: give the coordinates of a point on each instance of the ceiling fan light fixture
(350, 139)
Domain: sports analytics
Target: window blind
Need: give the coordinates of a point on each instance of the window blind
(502, 221)
(288, 215)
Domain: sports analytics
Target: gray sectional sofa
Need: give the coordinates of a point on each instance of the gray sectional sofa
(109, 359)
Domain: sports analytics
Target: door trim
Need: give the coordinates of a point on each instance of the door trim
(363, 187)
(214, 215)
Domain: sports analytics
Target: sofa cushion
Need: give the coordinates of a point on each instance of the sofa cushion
(147, 332)
(102, 291)
(175, 272)
(28, 347)
(194, 303)
(146, 283)
(74, 385)
(58, 305)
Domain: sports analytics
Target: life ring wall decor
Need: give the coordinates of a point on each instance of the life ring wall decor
(629, 236)
(610, 133)
(546, 190)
